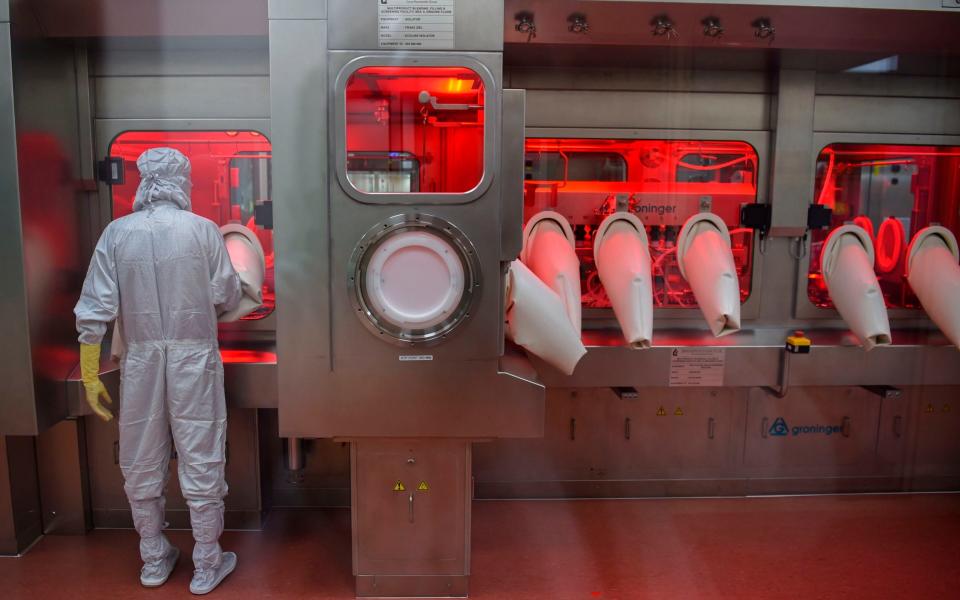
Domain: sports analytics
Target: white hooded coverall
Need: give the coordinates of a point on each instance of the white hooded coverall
(166, 273)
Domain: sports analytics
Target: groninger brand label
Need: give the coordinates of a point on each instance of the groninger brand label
(779, 428)
(424, 24)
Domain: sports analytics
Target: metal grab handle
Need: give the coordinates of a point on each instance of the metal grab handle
(898, 426)
(626, 428)
(711, 426)
(845, 427)
(410, 507)
(764, 427)
(425, 98)
(573, 429)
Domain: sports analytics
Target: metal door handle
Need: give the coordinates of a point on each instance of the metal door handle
(898, 426)
(845, 427)
(626, 428)
(711, 426)
(573, 429)
(764, 427)
(410, 507)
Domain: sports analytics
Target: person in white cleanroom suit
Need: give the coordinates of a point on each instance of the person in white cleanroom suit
(166, 274)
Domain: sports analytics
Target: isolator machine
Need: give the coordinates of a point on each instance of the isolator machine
(493, 250)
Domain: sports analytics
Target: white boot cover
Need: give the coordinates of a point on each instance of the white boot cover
(246, 255)
(622, 254)
(847, 267)
(706, 262)
(934, 275)
(538, 322)
(549, 251)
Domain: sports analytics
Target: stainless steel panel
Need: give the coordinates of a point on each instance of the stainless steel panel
(401, 529)
(572, 446)
(661, 110)
(894, 433)
(17, 407)
(109, 60)
(791, 176)
(887, 115)
(511, 172)
(298, 96)
(639, 80)
(937, 414)
(20, 518)
(478, 26)
(825, 26)
(872, 84)
(181, 97)
(297, 9)
(813, 431)
(121, 18)
(64, 485)
(109, 503)
(677, 433)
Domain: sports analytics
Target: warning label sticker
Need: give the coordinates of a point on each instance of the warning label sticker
(424, 24)
(697, 367)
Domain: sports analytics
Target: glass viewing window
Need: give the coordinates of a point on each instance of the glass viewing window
(230, 172)
(892, 191)
(414, 130)
(661, 182)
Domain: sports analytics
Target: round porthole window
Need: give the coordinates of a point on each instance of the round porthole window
(413, 279)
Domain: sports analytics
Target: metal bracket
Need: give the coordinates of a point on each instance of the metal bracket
(757, 217)
(525, 24)
(783, 380)
(884, 391)
(110, 170)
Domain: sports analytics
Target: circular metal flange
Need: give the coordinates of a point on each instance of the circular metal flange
(434, 234)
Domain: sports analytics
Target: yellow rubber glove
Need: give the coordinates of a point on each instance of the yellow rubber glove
(90, 374)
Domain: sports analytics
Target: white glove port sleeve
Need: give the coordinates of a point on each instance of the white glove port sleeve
(537, 320)
(934, 276)
(847, 267)
(622, 255)
(706, 262)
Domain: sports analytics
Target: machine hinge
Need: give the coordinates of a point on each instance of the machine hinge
(756, 216)
(110, 170)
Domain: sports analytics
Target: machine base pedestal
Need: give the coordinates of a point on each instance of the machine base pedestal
(379, 586)
(411, 516)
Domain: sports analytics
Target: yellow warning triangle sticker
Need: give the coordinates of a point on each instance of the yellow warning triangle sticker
(946, 407)
(423, 487)
(661, 412)
(399, 487)
(678, 412)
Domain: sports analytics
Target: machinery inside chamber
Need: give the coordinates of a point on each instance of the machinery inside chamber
(662, 182)
(414, 129)
(230, 173)
(892, 191)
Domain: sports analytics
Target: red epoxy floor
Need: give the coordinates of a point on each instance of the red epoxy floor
(814, 547)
